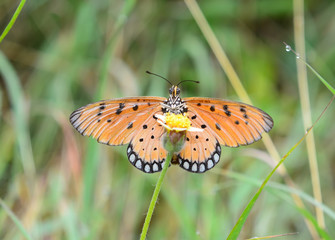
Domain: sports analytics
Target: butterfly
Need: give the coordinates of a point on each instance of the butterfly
(133, 121)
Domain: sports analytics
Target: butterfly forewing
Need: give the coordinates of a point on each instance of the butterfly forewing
(113, 121)
(231, 123)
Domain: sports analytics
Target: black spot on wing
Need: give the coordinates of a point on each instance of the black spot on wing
(228, 113)
(118, 111)
(121, 105)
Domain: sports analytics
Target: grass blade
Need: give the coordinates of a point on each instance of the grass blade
(91, 162)
(20, 120)
(322, 233)
(238, 226)
(282, 187)
(12, 21)
(299, 38)
(328, 86)
(15, 220)
(273, 236)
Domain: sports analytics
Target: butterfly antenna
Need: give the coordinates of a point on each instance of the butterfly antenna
(159, 76)
(188, 81)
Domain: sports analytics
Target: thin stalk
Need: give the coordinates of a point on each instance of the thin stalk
(273, 236)
(12, 21)
(155, 197)
(299, 36)
(327, 85)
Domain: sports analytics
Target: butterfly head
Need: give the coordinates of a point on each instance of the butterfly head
(174, 91)
(174, 104)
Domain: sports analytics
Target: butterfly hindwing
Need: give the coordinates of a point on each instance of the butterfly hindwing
(231, 123)
(145, 150)
(200, 153)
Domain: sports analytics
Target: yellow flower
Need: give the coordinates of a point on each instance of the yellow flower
(176, 122)
(176, 125)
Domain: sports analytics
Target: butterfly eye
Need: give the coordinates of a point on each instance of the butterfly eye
(178, 91)
(171, 91)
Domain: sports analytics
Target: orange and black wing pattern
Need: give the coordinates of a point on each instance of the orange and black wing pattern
(223, 122)
(117, 121)
(232, 123)
(126, 120)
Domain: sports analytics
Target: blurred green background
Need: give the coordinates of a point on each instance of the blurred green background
(61, 55)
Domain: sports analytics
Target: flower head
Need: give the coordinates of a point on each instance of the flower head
(176, 122)
(176, 125)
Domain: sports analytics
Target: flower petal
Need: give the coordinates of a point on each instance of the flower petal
(193, 129)
(160, 117)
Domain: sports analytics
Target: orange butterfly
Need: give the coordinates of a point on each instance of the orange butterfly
(133, 121)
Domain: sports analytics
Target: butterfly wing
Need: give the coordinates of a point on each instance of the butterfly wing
(145, 150)
(132, 120)
(126, 120)
(224, 122)
(201, 152)
(231, 123)
(114, 122)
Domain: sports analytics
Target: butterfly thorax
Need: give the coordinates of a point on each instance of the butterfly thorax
(174, 104)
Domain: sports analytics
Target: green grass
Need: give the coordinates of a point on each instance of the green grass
(12, 20)
(57, 184)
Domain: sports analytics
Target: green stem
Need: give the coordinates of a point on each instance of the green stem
(12, 21)
(155, 196)
(330, 88)
(15, 220)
